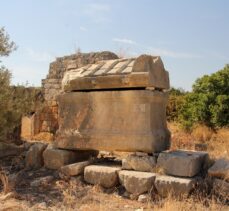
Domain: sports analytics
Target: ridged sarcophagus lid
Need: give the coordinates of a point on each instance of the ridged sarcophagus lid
(144, 71)
(115, 105)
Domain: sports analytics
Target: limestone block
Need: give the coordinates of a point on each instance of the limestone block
(34, 156)
(137, 182)
(56, 158)
(181, 162)
(106, 176)
(139, 163)
(126, 165)
(144, 71)
(221, 188)
(168, 185)
(29, 126)
(104, 121)
(75, 168)
(9, 149)
(143, 198)
(220, 169)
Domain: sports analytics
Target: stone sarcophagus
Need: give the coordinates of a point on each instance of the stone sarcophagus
(115, 105)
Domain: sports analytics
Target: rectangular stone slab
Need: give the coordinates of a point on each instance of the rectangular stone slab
(143, 71)
(132, 120)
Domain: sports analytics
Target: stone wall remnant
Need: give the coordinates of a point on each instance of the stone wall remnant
(45, 120)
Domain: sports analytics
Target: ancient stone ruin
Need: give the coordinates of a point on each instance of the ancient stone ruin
(97, 104)
(44, 122)
(115, 105)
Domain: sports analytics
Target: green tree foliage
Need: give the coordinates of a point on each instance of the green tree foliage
(209, 102)
(6, 45)
(176, 101)
(15, 101)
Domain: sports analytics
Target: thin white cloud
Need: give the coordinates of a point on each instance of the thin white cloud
(172, 54)
(123, 40)
(39, 56)
(83, 29)
(157, 51)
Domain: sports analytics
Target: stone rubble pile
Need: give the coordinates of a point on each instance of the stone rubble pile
(175, 172)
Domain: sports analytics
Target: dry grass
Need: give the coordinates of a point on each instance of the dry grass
(217, 142)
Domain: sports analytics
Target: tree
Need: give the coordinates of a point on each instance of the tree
(6, 45)
(209, 102)
(175, 103)
(15, 101)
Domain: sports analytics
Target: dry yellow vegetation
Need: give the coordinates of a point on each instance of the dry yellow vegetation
(216, 142)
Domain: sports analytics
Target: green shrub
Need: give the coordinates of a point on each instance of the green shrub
(209, 102)
(175, 103)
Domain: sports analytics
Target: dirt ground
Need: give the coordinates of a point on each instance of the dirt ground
(45, 189)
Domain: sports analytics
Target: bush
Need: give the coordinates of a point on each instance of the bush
(208, 104)
(175, 103)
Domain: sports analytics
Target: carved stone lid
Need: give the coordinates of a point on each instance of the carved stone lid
(143, 71)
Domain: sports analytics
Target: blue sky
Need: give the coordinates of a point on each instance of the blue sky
(192, 37)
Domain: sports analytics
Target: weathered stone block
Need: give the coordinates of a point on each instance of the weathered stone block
(34, 156)
(104, 121)
(56, 158)
(181, 163)
(139, 163)
(144, 71)
(29, 126)
(9, 149)
(220, 169)
(106, 176)
(137, 182)
(167, 185)
(60, 66)
(75, 168)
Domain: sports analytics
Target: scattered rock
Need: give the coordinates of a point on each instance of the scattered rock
(10, 149)
(41, 206)
(34, 157)
(126, 194)
(181, 162)
(106, 176)
(75, 168)
(137, 182)
(143, 198)
(56, 158)
(220, 169)
(221, 188)
(42, 181)
(139, 163)
(168, 185)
